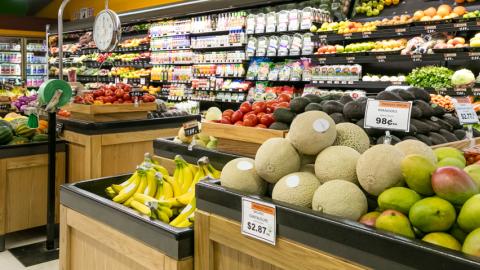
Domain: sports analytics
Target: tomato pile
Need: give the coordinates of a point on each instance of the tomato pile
(259, 114)
(111, 94)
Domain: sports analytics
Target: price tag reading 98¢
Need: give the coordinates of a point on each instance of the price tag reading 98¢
(465, 112)
(259, 220)
(388, 115)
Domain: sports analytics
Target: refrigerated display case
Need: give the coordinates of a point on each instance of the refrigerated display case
(36, 65)
(11, 60)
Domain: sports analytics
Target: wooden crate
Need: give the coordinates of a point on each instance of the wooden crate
(110, 112)
(458, 144)
(240, 140)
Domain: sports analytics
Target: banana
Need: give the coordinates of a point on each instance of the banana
(189, 209)
(110, 192)
(191, 218)
(177, 191)
(166, 210)
(186, 198)
(162, 216)
(151, 183)
(128, 191)
(143, 198)
(141, 208)
(187, 178)
(167, 190)
(160, 169)
(174, 203)
(160, 186)
(184, 224)
(117, 188)
(129, 180)
(193, 168)
(143, 183)
(128, 202)
(214, 173)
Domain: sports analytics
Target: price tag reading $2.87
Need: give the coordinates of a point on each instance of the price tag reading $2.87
(259, 220)
(388, 115)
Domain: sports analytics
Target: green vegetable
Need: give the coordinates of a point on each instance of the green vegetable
(463, 77)
(430, 77)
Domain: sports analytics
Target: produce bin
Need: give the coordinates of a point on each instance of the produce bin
(96, 233)
(305, 240)
(113, 148)
(240, 140)
(23, 185)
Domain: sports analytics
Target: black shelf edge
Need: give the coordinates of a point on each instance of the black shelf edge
(212, 33)
(220, 48)
(34, 148)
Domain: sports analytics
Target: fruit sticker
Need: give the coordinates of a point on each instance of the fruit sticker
(244, 165)
(321, 125)
(293, 181)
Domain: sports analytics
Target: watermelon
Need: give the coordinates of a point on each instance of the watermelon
(40, 138)
(18, 122)
(6, 135)
(5, 123)
(23, 130)
(18, 140)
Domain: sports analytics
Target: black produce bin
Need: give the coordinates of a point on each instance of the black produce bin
(89, 199)
(168, 149)
(339, 237)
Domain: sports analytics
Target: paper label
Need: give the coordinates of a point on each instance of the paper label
(259, 220)
(465, 112)
(293, 181)
(321, 125)
(244, 165)
(388, 115)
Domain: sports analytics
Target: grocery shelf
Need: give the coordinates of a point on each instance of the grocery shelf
(171, 35)
(288, 32)
(218, 63)
(172, 82)
(212, 33)
(219, 48)
(172, 49)
(172, 64)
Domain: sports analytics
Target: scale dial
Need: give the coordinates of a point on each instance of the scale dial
(107, 30)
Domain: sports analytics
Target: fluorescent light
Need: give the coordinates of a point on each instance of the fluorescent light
(161, 8)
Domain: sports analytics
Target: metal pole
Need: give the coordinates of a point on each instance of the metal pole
(60, 38)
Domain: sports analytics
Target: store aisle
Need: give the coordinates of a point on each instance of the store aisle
(9, 262)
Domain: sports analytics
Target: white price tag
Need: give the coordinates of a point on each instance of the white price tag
(465, 112)
(125, 80)
(259, 220)
(142, 81)
(388, 115)
(117, 80)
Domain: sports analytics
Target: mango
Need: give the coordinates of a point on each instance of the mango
(417, 171)
(398, 198)
(458, 233)
(432, 214)
(451, 161)
(369, 219)
(395, 222)
(442, 239)
(469, 216)
(453, 184)
(472, 243)
(474, 172)
(446, 152)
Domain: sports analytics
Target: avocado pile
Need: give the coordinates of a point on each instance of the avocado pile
(430, 123)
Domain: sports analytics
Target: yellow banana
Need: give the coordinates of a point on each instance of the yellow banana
(191, 218)
(110, 192)
(166, 210)
(184, 224)
(174, 203)
(193, 168)
(214, 173)
(151, 183)
(162, 216)
(177, 191)
(160, 169)
(190, 208)
(128, 191)
(160, 186)
(117, 188)
(128, 202)
(143, 183)
(175, 211)
(129, 180)
(187, 178)
(143, 198)
(186, 198)
(141, 208)
(167, 190)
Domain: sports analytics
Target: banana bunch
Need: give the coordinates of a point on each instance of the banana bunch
(154, 193)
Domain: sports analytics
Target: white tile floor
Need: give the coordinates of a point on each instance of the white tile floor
(9, 262)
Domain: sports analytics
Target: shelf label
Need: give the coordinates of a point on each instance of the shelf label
(125, 80)
(465, 112)
(430, 28)
(381, 58)
(350, 59)
(400, 31)
(117, 80)
(347, 36)
(366, 34)
(474, 56)
(388, 115)
(142, 81)
(449, 56)
(191, 128)
(461, 26)
(416, 57)
(259, 220)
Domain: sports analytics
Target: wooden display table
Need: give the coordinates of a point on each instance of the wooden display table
(96, 233)
(113, 148)
(23, 186)
(109, 112)
(240, 140)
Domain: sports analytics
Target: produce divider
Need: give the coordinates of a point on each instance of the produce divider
(23, 184)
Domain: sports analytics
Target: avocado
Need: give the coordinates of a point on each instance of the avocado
(298, 104)
(452, 120)
(433, 126)
(416, 112)
(437, 138)
(421, 127)
(411, 132)
(448, 135)
(313, 107)
(438, 111)
(404, 94)
(424, 139)
(394, 140)
(283, 115)
(443, 124)
(419, 93)
(388, 95)
(332, 106)
(313, 98)
(427, 110)
(354, 110)
(372, 132)
(338, 118)
(460, 134)
(279, 126)
(345, 99)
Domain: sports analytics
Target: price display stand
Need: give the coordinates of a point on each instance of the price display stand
(466, 115)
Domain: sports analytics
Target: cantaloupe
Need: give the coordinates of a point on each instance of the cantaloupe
(379, 168)
(337, 162)
(351, 135)
(311, 132)
(275, 158)
(410, 147)
(340, 198)
(240, 174)
(296, 188)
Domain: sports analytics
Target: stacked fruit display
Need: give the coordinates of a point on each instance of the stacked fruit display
(331, 169)
(443, 12)
(154, 193)
(111, 94)
(373, 8)
(200, 140)
(14, 130)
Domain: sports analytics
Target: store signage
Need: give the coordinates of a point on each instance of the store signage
(191, 128)
(259, 220)
(388, 115)
(465, 112)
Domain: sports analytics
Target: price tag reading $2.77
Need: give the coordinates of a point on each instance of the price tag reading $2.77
(465, 112)
(388, 115)
(259, 220)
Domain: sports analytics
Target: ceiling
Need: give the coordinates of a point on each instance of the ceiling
(22, 7)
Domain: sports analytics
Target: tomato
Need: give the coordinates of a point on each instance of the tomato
(283, 98)
(269, 110)
(261, 126)
(271, 104)
(88, 99)
(283, 105)
(119, 93)
(120, 100)
(99, 93)
(108, 99)
(250, 120)
(226, 120)
(228, 112)
(249, 113)
(259, 107)
(126, 97)
(109, 93)
(267, 119)
(245, 107)
(239, 123)
(259, 116)
(237, 116)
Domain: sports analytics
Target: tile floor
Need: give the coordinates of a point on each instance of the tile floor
(9, 262)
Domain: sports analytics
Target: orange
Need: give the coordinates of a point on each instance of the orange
(460, 10)
(437, 17)
(445, 7)
(426, 18)
(459, 1)
(418, 15)
(431, 11)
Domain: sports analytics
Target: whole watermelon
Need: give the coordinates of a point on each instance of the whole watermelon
(6, 135)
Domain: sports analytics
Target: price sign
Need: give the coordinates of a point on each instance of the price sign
(474, 56)
(191, 128)
(366, 34)
(381, 58)
(400, 31)
(142, 81)
(125, 80)
(259, 219)
(347, 36)
(117, 80)
(449, 56)
(416, 57)
(465, 112)
(461, 26)
(430, 28)
(350, 59)
(388, 115)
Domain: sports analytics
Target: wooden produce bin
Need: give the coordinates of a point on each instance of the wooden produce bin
(113, 148)
(110, 112)
(240, 140)
(96, 233)
(23, 186)
(305, 240)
